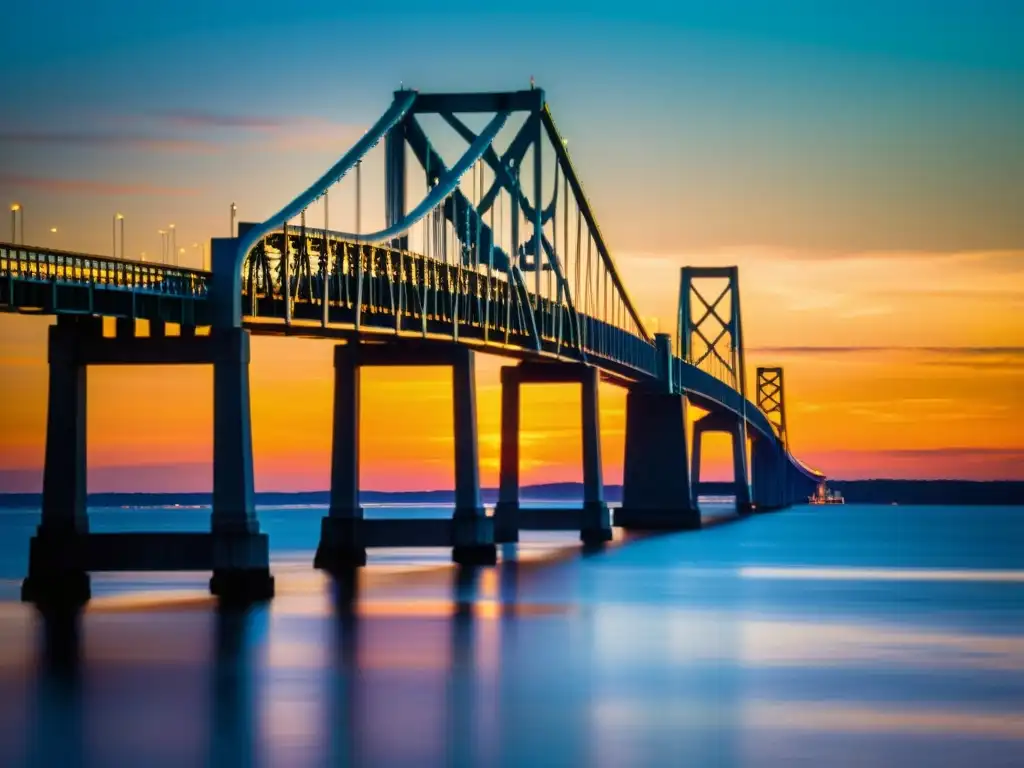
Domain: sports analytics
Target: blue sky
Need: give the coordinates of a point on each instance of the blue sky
(875, 124)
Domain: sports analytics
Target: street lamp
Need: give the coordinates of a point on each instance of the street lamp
(234, 210)
(201, 247)
(117, 218)
(181, 257)
(163, 245)
(174, 242)
(15, 210)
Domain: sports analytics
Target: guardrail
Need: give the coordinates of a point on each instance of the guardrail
(47, 265)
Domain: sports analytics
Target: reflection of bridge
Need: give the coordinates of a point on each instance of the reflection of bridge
(481, 263)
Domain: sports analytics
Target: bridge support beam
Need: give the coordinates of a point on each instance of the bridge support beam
(63, 551)
(656, 492)
(345, 533)
(731, 425)
(769, 470)
(593, 520)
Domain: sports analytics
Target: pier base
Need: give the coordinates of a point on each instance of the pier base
(63, 552)
(59, 566)
(730, 424)
(345, 533)
(656, 492)
(593, 520)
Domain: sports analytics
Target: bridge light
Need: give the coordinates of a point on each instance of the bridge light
(53, 230)
(15, 207)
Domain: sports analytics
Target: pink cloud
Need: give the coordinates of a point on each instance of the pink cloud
(112, 140)
(93, 187)
(948, 463)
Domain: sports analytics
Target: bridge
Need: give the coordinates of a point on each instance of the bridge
(501, 254)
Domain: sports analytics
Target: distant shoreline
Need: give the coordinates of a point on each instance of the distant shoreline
(930, 492)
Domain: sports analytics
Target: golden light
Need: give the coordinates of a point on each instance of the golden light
(119, 216)
(15, 207)
(53, 230)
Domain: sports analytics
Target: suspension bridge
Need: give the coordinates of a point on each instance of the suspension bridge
(501, 254)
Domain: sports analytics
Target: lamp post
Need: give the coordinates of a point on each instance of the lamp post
(180, 258)
(163, 245)
(15, 210)
(201, 248)
(234, 210)
(117, 218)
(174, 244)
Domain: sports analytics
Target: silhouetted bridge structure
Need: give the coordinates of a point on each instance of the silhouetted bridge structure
(501, 254)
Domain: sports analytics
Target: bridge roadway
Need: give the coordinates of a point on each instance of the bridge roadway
(405, 298)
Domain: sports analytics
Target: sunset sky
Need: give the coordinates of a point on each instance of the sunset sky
(863, 164)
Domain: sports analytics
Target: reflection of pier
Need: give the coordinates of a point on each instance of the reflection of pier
(55, 727)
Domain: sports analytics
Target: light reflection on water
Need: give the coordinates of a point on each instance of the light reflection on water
(698, 648)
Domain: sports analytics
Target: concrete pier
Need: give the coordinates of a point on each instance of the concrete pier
(63, 551)
(656, 492)
(593, 519)
(730, 424)
(768, 468)
(345, 533)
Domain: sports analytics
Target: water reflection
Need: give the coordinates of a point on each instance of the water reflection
(660, 651)
(56, 729)
(233, 717)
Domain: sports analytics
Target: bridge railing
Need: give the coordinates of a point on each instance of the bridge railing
(381, 287)
(46, 265)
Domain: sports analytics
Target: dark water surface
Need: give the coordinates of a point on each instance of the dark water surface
(829, 636)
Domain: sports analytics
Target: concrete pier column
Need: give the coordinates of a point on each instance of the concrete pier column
(473, 531)
(340, 543)
(596, 522)
(234, 509)
(64, 471)
(241, 558)
(656, 492)
(739, 467)
(506, 528)
(769, 475)
(695, 458)
(53, 575)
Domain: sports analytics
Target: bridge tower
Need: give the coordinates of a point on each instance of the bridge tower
(771, 399)
(769, 466)
(709, 336)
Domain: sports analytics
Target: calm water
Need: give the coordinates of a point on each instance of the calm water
(837, 636)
